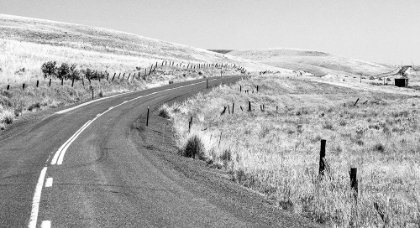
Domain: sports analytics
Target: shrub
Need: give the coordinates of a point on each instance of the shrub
(34, 106)
(49, 69)
(6, 117)
(163, 113)
(226, 156)
(194, 148)
(379, 147)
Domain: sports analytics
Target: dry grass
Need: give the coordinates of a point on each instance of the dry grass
(277, 151)
(317, 63)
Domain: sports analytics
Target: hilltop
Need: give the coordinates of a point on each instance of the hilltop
(26, 43)
(315, 62)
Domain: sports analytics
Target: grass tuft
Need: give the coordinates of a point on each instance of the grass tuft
(194, 148)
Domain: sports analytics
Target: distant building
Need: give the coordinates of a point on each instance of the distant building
(401, 82)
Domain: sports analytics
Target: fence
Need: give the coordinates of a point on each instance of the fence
(133, 75)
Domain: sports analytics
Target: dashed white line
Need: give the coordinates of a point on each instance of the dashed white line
(49, 182)
(59, 156)
(46, 224)
(37, 198)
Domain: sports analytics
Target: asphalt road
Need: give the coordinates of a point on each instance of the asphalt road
(65, 170)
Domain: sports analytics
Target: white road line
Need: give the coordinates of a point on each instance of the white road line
(59, 155)
(48, 183)
(46, 224)
(64, 150)
(59, 151)
(89, 102)
(92, 101)
(37, 199)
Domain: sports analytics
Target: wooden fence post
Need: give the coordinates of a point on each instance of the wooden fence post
(62, 81)
(355, 103)
(233, 108)
(249, 106)
(190, 124)
(147, 119)
(49, 83)
(322, 158)
(353, 182)
(207, 83)
(37, 83)
(93, 93)
(23, 86)
(8, 87)
(257, 88)
(240, 89)
(72, 82)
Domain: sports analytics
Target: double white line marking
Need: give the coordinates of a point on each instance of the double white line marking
(59, 156)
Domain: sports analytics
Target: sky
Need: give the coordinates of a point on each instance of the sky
(384, 31)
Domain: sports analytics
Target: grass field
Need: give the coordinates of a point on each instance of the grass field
(26, 43)
(276, 151)
(315, 62)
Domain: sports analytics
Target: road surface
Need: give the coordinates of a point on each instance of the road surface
(98, 165)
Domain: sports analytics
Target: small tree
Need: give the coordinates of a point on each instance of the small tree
(49, 69)
(63, 71)
(89, 74)
(73, 72)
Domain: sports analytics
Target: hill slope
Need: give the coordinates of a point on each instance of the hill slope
(317, 63)
(27, 43)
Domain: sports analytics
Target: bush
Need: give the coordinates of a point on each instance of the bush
(226, 156)
(6, 117)
(379, 147)
(194, 148)
(163, 113)
(34, 106)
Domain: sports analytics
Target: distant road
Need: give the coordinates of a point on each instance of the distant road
(92, 166)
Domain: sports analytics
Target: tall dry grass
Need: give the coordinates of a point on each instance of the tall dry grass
(20, 63)
(276, 151)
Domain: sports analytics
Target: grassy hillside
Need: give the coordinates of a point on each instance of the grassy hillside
(274, 149)
(317, 63)
(26, 43)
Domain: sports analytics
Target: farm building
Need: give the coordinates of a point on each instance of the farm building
(401, 82)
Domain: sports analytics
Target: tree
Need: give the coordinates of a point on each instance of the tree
(49, 69)
(73, 72)
(89, 74)
(63, 71)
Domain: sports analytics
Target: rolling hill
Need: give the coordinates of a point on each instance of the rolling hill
(315, 62)
(26, 43)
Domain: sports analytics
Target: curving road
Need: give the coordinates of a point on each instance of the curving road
(98, 165)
